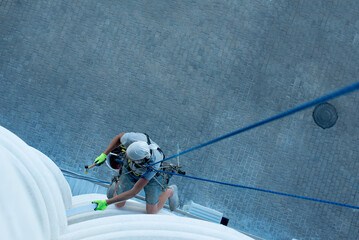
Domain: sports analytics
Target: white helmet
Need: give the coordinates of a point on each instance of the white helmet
(138, 150)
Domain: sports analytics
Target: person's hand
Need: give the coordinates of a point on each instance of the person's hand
(101, 205)
(100, 160)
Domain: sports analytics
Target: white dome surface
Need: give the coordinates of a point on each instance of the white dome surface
(35, 195)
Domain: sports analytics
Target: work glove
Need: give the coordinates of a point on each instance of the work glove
(100, 160)
(101, 205)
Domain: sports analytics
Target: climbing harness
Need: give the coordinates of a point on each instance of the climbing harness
(117, 160)
(167, 168)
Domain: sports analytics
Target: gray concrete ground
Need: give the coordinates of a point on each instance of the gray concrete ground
(74, 74)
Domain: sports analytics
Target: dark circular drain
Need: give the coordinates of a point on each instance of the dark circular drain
(325, 115)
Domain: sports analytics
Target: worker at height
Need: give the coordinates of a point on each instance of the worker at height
(138, 173)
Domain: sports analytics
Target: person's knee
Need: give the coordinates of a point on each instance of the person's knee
(151, 209)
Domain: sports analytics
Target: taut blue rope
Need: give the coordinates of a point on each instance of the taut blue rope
(262, 190)
(78, 176)
(343, 91)
(93, 180)
(70, 174)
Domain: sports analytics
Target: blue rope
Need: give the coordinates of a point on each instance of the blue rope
(262, 190)
(343, 91)
(78, 176)
(85, 178)
(68, 173)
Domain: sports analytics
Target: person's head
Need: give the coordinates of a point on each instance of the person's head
(138, 152)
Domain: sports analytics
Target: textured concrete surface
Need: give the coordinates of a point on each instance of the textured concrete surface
(74, 74)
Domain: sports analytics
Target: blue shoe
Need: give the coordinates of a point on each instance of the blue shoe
(174, 200)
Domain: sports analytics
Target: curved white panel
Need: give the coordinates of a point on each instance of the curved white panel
(152, 224)
(25, 159)
(83, 199)
(152, 235)
(131, 207)
(21, 214)
(58, 177)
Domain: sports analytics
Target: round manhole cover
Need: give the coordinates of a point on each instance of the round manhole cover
(325, 115)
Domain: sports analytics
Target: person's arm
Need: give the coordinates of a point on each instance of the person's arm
(116, 141)
(140, 184)
(103, 204)
(113, 144)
